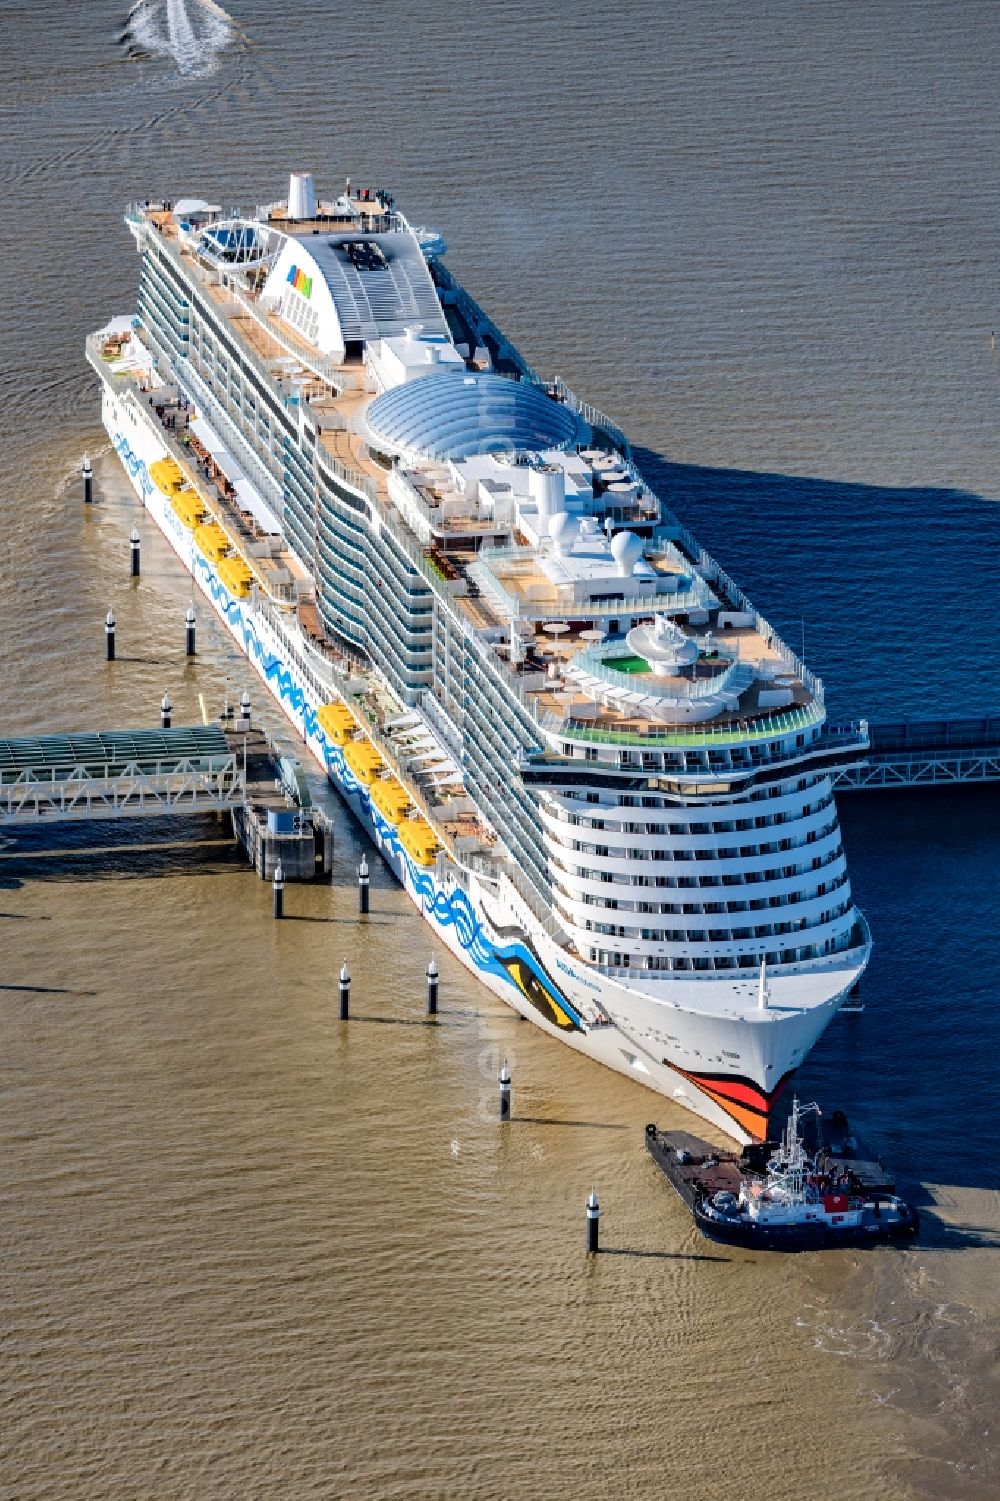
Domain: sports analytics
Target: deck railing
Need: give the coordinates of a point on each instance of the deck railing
(479, 321)
(673, 738)
(592, 415)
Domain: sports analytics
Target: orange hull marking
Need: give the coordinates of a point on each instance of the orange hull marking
(752, 1121)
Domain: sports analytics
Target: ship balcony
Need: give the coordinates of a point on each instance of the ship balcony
(799, 831)
(695, 950)
(715, 761)
(683, 927)
(782, 809)
(756, 894)
(844, 964)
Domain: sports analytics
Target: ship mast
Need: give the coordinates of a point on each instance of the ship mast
(787, 1169)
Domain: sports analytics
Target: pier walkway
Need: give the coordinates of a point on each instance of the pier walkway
(119, 774)
(195, 769)
(926, 753)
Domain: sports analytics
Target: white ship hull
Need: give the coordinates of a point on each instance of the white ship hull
(489, 928)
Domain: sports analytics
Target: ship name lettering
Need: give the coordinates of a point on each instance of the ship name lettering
(573, 976)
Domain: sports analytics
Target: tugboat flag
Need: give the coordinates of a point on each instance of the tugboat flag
(300, 281)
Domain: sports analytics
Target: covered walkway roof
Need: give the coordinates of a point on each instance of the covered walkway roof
(108, 747)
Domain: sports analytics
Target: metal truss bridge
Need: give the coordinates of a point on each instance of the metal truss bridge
(926, 753)
(119, 774)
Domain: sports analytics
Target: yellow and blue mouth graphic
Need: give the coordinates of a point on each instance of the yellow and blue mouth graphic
(535, 985)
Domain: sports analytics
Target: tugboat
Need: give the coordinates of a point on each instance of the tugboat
(784, 1197)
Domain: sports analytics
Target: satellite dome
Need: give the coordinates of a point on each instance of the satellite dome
(453, 416)
(626, 549)
(563, 530)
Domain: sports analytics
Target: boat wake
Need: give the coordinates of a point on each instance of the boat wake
(193, 33)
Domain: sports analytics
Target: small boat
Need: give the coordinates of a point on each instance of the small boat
(783, 1196)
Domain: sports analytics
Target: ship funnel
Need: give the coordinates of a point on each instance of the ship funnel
(547, 488)
(301, 196)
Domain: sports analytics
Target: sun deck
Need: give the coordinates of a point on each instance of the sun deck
(533, 591)
(542, 675)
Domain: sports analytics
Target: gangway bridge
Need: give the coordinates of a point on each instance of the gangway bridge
(190, 770)
(119, 773)
(925, 753)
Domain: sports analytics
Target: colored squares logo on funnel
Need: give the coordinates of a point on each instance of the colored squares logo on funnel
(300, 281)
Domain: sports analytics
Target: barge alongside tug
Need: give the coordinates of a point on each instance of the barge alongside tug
(597, 771)
(789, 1195)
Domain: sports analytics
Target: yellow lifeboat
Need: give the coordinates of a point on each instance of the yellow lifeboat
(166, 476)
(417, 836)
(364, 760)
(188, 508)
(337, 722)
(236, 576)
(212, 541)
(391, 799)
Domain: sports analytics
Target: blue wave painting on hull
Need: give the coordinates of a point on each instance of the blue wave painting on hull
(448, 909)
(135, 466)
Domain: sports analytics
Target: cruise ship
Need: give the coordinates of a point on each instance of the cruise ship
(598, 772)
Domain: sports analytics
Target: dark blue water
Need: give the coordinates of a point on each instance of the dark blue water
(896, 594)
(919, 1065)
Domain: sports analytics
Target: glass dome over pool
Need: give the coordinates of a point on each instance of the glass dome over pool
(455, 416)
